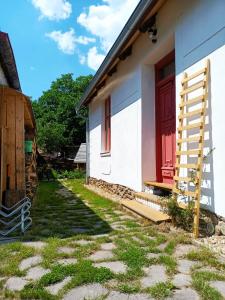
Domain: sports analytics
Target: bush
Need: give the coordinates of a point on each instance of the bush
(76, 174)
(180, 217)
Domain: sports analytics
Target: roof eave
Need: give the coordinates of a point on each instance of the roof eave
(131, 26)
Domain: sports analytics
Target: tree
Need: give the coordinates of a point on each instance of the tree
(58, 124)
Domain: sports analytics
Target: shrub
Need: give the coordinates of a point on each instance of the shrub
(76, 174)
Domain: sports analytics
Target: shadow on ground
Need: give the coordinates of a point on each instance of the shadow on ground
(58, 212)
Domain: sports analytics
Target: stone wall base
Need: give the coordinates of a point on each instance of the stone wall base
(115, 189)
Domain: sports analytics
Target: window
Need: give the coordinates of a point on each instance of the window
(107, 126)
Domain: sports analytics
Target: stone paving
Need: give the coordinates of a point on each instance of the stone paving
(106, 253)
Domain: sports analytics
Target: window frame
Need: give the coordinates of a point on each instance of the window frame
(106, 132)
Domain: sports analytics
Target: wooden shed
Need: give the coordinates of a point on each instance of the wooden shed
(17, 131)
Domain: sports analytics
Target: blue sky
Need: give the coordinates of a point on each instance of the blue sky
(54, 37)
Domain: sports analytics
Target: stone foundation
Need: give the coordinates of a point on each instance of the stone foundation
(115, 189)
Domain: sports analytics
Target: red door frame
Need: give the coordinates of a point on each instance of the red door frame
(163, 62)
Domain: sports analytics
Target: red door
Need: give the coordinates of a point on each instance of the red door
(165, 119)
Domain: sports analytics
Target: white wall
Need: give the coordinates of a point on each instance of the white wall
(200, 34)
(3, 80)
(196, 28)
(123, 166)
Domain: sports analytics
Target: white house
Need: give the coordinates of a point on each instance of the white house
(134, 98)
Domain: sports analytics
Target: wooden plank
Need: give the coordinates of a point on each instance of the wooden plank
(193, 101)
(187, 166)
(162, 185)
(193, 88)
(3, 121)
(189, 140)
(180, 133)
(183, 179)
(20, 156)
(185, 192)
(11, 146)
(189, 152)
(196, 74)
(200, 159)
(191, 113)
(191, 126)
(145, 211)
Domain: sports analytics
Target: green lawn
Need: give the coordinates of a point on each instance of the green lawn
(64, 214)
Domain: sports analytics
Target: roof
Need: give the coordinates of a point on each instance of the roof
(131, 28)
(8, 62)
(81, 154)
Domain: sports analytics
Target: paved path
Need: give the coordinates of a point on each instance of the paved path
(127, 262)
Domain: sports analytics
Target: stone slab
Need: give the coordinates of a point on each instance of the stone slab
(90, 292)
(36, 273)
(183, 249)
(155, 274)
(185, 265)
(114, 295)
(15, 284)
(182, 280)
(185, 294)
(66, 250)
(55, 288)
(67, 261)
(36, 245)
(30, 262)
(108, 246)
(219, 286)
(153, 255)
(101, 255)
(115, 266)
(82, 242)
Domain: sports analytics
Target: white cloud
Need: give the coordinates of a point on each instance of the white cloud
(105, 22)
(67, 41)
(53, 9)
(82, 59)
(94, 59)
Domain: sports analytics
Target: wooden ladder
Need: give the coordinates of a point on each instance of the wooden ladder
(191, 134)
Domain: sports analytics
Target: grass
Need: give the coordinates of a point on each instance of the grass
(161, 290)
(201, 284)
(54, 219)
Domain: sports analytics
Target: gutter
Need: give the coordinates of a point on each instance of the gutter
(133, 24)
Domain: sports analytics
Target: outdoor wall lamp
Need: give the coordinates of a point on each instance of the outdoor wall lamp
(152, 33)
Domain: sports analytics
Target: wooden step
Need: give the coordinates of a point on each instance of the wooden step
(161, 185)
(151, 198)
(145, 211)
(156, 199)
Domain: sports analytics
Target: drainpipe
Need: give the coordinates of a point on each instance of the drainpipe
(87, 149)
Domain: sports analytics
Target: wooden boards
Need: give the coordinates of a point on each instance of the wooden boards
(189, 120)
(145, 211)
(12, 144)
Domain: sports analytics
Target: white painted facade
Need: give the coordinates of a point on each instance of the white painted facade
(196, 30)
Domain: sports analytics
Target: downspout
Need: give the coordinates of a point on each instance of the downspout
(87, 148)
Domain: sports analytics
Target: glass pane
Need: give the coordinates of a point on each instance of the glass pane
(167, 70)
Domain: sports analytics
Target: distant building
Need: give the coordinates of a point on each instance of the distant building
(80, 157)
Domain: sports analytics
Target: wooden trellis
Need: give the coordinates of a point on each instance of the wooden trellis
(189, 121)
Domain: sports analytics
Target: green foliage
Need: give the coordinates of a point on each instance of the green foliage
(201, 284)
(58, 123)
(76, 174)
(161, 290)
(180, 217)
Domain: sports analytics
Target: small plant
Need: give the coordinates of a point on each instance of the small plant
(161, 290)
(180, 217)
